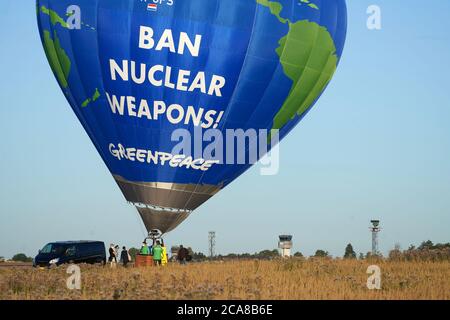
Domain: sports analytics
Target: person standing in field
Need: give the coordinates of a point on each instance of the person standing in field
(124, 256)
(145, 251)
(116, 251)
(164, 254)
(157, 253)
(112, 256)
(182, 254)
(129, 256)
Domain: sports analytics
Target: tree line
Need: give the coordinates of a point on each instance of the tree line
(426, 251)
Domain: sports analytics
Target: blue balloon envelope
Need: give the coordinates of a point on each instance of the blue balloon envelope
(142, 75)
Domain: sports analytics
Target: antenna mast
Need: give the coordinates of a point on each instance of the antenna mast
(212, 243)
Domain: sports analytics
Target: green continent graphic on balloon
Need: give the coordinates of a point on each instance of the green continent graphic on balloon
(308, 57)
(57, 56)
(59, 61)
(94, 98)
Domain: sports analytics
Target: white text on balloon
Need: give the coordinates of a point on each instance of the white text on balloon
(174, 113)
(166, 41)
(162, 76)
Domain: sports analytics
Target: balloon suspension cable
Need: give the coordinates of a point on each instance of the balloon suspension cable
(141, 225)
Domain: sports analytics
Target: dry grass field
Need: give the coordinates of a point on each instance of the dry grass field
(253, 279)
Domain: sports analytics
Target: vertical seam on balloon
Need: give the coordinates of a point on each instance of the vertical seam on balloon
(309, 107)
(84, 123)
(247, 166)
(198, 99)
(103, 85)
(215, 18)
(130, 85)
(227, 111)
(164, 91)
(131, 88)
(289, 22)
(101, 75)
(97, 145)
(268, 85)
(201, 176)
(67, 90)
(225, 116)
(77, 110)
(159, 130)
(276, 68)
(205, 64)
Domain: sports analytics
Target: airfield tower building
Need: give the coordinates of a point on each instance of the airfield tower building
(375, 229)
(285, 245)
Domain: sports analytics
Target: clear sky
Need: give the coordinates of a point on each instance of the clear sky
(376, 145)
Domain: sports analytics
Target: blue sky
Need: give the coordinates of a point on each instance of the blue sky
(376, 145)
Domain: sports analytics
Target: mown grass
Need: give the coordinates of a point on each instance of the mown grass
(252, 279)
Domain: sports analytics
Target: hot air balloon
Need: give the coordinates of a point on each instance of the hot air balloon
(134, 71)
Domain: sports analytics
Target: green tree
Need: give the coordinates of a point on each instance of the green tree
(349, 252)
(426, 245)
(298, 254)
(198, 256)
(321, 254)
(268, 254)
(441, 246)
(133, 253)
(21, 257)
(361, 256)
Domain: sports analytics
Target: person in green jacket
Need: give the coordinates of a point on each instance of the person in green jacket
(157, 253)
(145, 251)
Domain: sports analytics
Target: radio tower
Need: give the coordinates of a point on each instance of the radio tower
(375, 229)
(212, 243)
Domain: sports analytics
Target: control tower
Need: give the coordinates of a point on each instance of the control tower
(285, 245)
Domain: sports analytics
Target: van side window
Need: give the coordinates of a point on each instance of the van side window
(70, 251)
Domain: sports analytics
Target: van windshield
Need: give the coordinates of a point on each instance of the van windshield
(53, 248)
